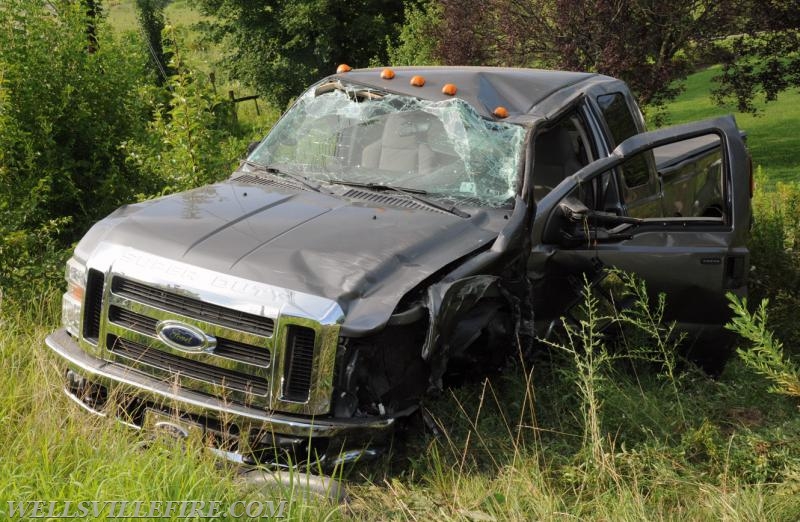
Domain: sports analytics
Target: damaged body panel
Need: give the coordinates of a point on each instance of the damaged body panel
(385, 241)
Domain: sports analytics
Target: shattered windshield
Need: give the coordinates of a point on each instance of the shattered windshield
(338, 133)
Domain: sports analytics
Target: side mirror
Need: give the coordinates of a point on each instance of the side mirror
(574, 223)
(573, 209)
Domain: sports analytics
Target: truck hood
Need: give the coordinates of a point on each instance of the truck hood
(364, 256)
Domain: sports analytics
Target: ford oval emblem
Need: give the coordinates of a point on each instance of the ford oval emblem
(185, 337)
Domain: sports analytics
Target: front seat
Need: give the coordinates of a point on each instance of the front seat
(554, 159)
(403, 145)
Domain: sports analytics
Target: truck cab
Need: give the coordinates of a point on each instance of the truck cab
(392, 232)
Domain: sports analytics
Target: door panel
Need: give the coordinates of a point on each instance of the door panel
(694, 260)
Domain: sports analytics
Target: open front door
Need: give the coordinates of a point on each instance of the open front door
(692, 245)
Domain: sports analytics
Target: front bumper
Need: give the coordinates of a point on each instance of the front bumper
(125, 393)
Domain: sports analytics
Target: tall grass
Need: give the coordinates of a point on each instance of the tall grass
(609, 437)
(588, 431)
(55, 451)
(592, 428)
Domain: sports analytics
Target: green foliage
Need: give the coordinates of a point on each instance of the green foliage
(775, 255)
(192, 140)
(64, 112)
(281, 47)
(762, 58)
(649, 45)
(417, 41)
(151, 20)
(584, 344)
(766, 355)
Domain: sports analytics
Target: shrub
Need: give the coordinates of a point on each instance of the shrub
(765, 355)
(192, 139)
(65, 109)
(775, 255)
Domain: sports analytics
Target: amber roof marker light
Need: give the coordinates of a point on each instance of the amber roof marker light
(449, 89)
(387, 74)
(500, 112)
(417, 81)
(343, 68)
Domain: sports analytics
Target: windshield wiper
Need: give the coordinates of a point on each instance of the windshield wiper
(282, 173)
(412, 193)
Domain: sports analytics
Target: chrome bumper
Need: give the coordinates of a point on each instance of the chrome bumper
(119, 379)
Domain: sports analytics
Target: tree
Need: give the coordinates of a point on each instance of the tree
(66, 113)
(764, 58)
(416, 44)
(647, 43)
(151, 19)
(280, 46)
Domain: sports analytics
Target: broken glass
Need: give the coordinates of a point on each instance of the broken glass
(340, 132)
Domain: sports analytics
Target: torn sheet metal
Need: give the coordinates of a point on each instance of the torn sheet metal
(459, 312)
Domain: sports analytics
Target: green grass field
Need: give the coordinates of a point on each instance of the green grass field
(572, 437)
(122, 14)
(773, 135)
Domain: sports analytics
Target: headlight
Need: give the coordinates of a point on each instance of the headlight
(73, 298)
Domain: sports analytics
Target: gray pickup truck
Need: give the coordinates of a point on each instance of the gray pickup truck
(395, 230)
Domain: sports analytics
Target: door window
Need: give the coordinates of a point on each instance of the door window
(559, 151)
(622, 126)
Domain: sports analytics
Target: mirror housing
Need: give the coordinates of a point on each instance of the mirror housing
(573, 209)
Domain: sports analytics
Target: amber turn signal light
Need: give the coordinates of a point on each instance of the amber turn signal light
(449, 89)
(417, 81)
(500, 112)
(343, 68)
(387, 74)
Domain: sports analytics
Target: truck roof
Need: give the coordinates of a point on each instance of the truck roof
(485, 88)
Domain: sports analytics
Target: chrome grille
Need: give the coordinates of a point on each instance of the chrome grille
(136, 322)
(192, 307)
(276, 362)
(228, 348)
(236, 365)
(144, 355)
(299, 363)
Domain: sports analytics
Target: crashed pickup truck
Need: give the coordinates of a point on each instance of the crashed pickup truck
(395, 231)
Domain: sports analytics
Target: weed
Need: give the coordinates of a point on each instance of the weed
(766, 355)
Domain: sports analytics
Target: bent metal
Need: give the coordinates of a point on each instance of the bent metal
(389, 238)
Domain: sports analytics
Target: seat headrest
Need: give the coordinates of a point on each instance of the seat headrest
(405, 129)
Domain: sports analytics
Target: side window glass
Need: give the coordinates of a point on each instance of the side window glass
(622, 126)
(695, 194)
(559, 152)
